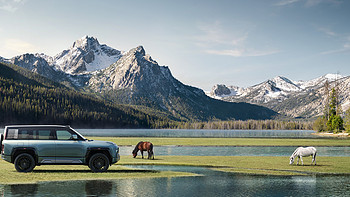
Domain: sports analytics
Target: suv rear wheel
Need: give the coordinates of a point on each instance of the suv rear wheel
(24, 162)
(99, 162)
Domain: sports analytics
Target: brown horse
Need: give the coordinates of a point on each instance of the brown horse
(144, 146)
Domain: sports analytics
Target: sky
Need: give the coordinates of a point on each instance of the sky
(203, 42)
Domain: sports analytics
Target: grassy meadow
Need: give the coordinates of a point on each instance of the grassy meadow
(263, 165)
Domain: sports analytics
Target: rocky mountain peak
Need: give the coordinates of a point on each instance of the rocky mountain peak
(86, 43)
(138, 51)
(86, 54)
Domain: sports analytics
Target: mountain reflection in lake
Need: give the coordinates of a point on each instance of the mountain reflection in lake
(212, 183)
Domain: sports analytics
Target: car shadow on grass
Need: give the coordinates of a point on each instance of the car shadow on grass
(89, 171)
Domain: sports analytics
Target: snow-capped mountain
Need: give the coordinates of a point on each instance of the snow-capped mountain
(86, 54)
(292, 98)
(318, 81)
(278, 87)
(137, 79)
(134, 78)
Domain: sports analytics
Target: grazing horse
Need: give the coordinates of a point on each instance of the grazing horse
(144, 146)
(304, 152)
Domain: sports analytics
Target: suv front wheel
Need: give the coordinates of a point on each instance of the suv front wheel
(99, 162)
(24, 163)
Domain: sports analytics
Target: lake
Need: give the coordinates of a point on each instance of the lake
(197, 133)
(236, 151)
(210, 183)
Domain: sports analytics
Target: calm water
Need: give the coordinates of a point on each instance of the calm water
(196, 133)
(211, 183)
(236, 151)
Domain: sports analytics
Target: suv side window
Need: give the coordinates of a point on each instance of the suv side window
(44, 134)
(25, 134)
(12, 134)
(63, 135)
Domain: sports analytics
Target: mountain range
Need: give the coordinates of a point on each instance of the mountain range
(135, 79)
(297, 99)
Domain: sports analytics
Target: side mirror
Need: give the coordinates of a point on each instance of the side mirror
(75, 137)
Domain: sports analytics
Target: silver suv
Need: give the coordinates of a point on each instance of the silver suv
(35, 145)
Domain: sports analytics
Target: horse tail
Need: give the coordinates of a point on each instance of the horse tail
(151, 149)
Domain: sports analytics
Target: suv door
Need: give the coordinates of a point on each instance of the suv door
(69, 149)
(43, 141)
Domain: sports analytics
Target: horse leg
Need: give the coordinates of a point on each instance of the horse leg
(314, 158)
(298, 160)
(141, 153)
(152, 154)
(301, 158)
(149, 154)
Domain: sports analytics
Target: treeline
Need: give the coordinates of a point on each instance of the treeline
(25, 100)
(246, 125)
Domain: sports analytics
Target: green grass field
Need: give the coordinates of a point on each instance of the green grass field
(235, 164)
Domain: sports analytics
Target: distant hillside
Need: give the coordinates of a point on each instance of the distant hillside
(28, 98)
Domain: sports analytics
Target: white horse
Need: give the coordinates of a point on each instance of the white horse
(304, 152)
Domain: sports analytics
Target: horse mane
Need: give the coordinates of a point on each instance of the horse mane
(296, 150)
(136, 147)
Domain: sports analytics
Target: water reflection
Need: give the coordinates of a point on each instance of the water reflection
(212, 183)
(24, 190)
(98, 188)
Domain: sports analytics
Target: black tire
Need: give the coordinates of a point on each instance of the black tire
(99, 162)
(24, 163)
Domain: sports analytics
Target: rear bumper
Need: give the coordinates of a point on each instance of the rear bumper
(6, 157)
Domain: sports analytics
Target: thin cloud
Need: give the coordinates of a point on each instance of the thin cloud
(344, 49)
(214, 39)
(214, 34)
(327, 31)
(308, 3)
(11, 5)
(242, 52)
(285, 2)
(344, 39)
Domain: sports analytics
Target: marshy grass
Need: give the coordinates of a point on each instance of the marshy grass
(262, 165)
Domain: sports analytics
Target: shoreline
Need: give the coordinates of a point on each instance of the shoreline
(334, 135)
